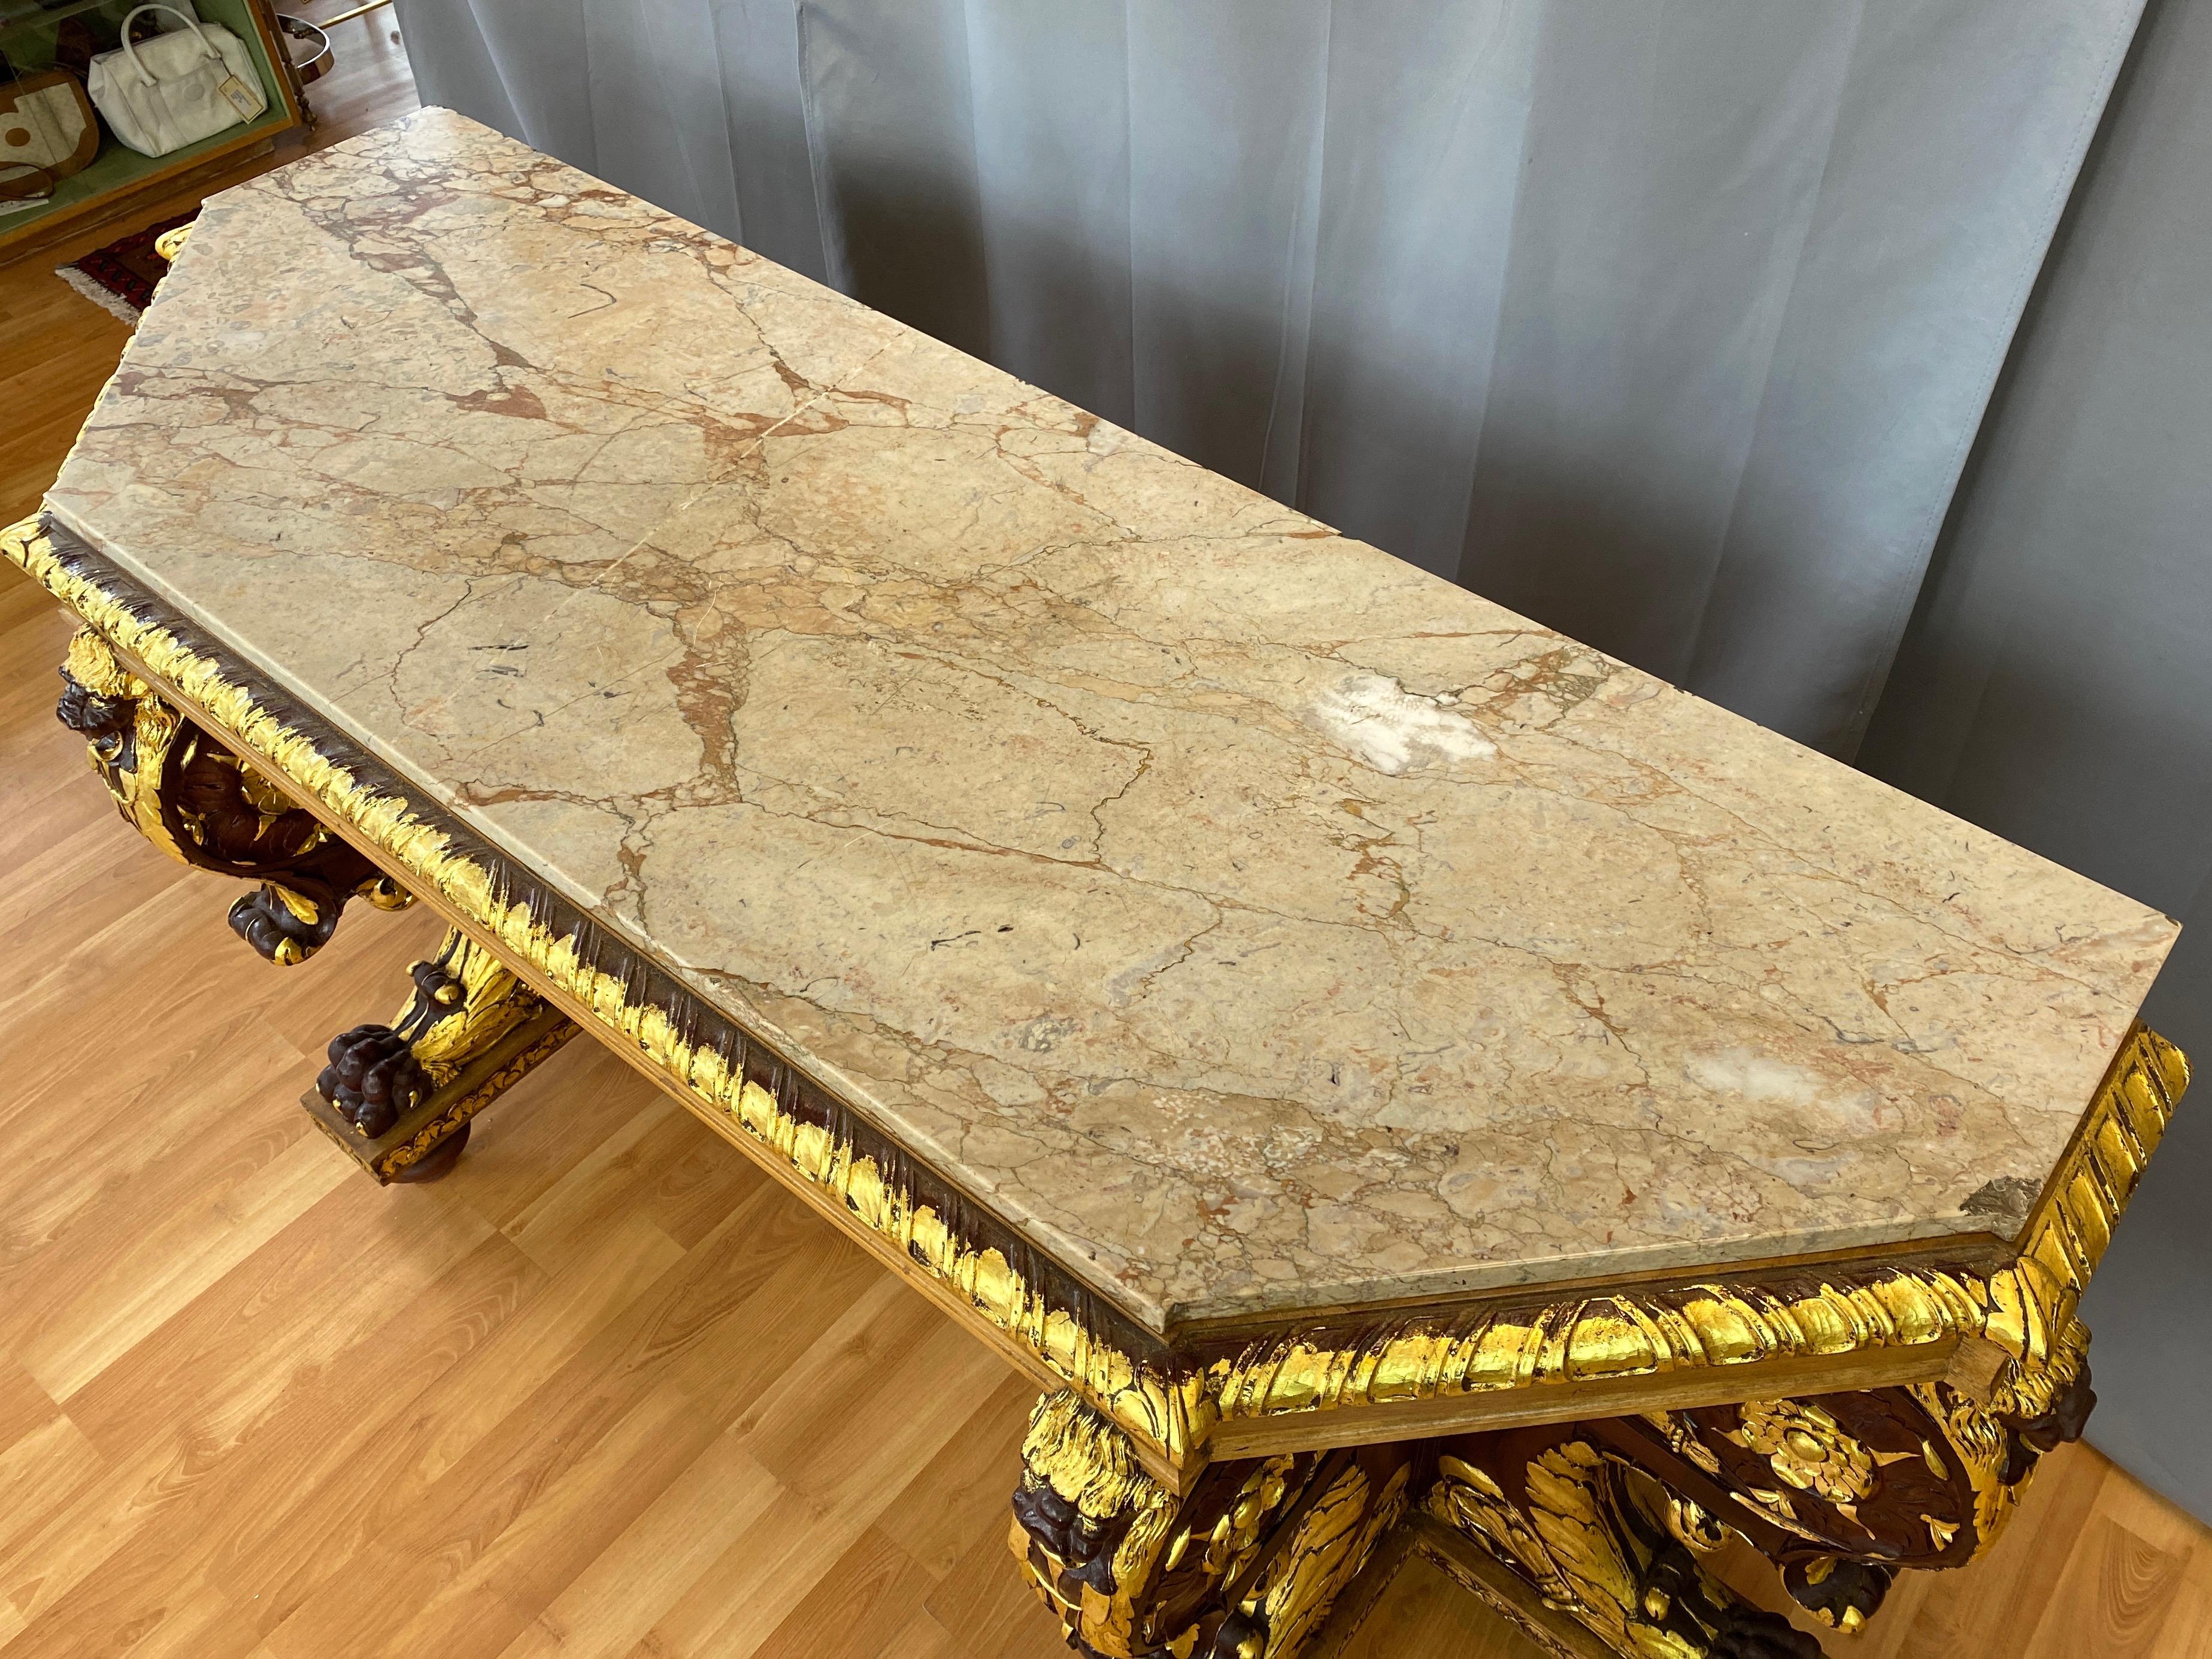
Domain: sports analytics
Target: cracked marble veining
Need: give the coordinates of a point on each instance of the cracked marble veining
(1255, 920)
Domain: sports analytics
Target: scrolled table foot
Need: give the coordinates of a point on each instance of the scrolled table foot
(286, 924)
(399, 1097)
(373, 1079)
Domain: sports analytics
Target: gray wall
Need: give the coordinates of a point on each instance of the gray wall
(2055, 685)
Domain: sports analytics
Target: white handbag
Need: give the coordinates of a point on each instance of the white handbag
(176, 89)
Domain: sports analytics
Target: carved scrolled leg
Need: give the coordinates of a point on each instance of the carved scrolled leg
(1353, 1499)
(199, 804)
(399, 1097)
(1587, 1533)
(1605, 1520)
(1838, 1591)
(2045, 1406)
(1244, 1567)
(1843, 1490)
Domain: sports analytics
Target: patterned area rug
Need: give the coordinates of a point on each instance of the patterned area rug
(119, 278)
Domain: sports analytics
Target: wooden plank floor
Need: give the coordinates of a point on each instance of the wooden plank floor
(604, 1392)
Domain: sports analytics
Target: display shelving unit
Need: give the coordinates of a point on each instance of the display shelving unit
(120, 179)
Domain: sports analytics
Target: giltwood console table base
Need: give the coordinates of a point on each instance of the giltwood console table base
(1583, 1507)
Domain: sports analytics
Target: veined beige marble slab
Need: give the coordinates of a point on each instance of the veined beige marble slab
(1255, 920)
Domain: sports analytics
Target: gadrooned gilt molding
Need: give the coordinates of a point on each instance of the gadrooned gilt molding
(1165, 1395)
(2024, 1308)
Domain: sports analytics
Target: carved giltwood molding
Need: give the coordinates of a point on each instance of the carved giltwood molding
(1166, 1394)
(2024, 1308)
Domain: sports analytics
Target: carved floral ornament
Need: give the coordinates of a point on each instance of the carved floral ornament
(1808, 1449)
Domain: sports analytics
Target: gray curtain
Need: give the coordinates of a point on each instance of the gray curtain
(1670, 324)
(2055, 685)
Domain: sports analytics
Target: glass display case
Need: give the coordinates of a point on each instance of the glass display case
(66, 164)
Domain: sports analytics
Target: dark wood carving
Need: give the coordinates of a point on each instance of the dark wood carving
(1837, 1590)
(373, 1079)
(197, 801)
(2027, 1438)
(1869, 1475)
(1590, 1530)
(1608, 1522)
(426, 1073)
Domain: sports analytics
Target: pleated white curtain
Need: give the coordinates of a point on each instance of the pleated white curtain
(1665, 324)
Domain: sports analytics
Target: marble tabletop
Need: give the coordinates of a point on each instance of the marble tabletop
(1253, 920)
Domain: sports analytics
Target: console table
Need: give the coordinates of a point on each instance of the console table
(1397, 1078)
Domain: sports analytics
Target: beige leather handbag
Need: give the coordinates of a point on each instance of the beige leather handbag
(47, 131)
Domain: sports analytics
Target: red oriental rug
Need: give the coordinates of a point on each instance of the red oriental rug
(120, 277)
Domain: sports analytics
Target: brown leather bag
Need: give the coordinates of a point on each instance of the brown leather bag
(47, 132)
